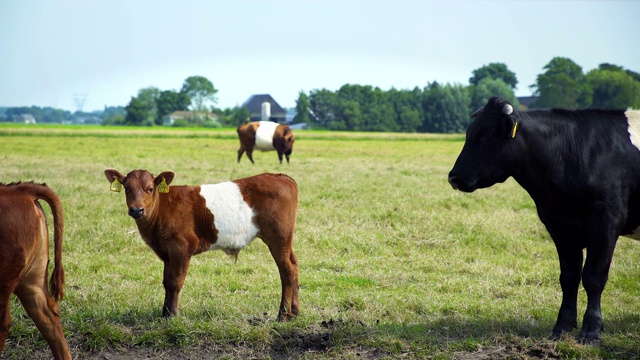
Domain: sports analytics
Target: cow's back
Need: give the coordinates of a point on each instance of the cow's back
(275, 194)
(584, 157)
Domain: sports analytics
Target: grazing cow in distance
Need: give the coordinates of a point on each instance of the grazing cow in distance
(582, 170)
(265, 136)
(24, 258)
(182, 221)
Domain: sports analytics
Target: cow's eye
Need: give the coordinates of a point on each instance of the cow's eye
(150, 190)
(126, 189)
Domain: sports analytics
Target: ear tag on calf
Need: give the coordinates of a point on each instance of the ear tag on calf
(163, 187)
(513, 131)
(116, 186)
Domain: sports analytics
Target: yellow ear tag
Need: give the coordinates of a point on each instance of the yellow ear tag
(163, 187)
(116, 186)
(513, 132)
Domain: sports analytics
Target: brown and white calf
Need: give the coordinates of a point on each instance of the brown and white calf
(178, 222)
(265, 136)
(24, 257)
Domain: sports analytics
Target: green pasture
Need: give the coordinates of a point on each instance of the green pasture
(393, 262)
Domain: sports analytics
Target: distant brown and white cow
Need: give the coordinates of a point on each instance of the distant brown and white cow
(265, 136)
(183, 221)
(24, 256)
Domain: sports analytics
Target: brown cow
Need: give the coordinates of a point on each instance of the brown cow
(24, 256)
(265, 136)
(188, 220)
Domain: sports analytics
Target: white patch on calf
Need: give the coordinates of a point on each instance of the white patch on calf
(232, 216)
(264, 136)
(633, 119)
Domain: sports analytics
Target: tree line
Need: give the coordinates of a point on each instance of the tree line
(49, 115)
(445, 108)
(435, 108)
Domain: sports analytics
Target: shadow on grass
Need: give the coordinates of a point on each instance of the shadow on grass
(138, 332)
(485, 338)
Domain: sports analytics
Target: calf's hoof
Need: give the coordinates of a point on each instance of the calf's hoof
(166, 313)
(285, 317)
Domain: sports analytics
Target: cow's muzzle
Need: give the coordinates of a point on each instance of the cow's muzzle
(454, 182)
(460, 184)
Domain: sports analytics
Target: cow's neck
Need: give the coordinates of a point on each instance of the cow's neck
(541, 169)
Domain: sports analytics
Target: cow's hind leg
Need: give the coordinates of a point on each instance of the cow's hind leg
(288, 269)
(44, 312)
(594, 279)
(5, 316)
(250, 155)
(570, 271)
(601, 243)
(9, 280)
(295, 303)
(240, 152)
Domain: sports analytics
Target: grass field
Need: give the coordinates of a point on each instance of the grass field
(393, 262)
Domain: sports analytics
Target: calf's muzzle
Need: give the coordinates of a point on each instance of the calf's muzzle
(136, 213)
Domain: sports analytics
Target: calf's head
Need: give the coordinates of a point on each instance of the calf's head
(141, 189)
(490, 150)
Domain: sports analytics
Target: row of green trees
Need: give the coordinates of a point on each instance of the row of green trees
(438, 108)
(563, 84)
(49, 115)
(46, 114)
(445, 108)
(152, 105)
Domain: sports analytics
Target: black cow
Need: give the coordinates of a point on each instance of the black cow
(582, 170)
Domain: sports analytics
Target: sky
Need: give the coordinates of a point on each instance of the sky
(67, 53)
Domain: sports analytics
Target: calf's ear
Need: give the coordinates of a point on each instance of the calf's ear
(115, 179)
(163, 180)
(166, 175)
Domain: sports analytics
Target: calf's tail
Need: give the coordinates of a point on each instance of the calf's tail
(56, 283)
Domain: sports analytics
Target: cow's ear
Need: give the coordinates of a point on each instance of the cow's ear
(115, 179)
(507, 110)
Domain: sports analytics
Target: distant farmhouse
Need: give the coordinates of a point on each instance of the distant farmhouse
(190, 116)
(264, 107)
(28, 118)
(526, 101)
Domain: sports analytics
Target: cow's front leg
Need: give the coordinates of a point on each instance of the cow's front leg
(280, 153)
(594, 279)
(175, 272)
(570, 271)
